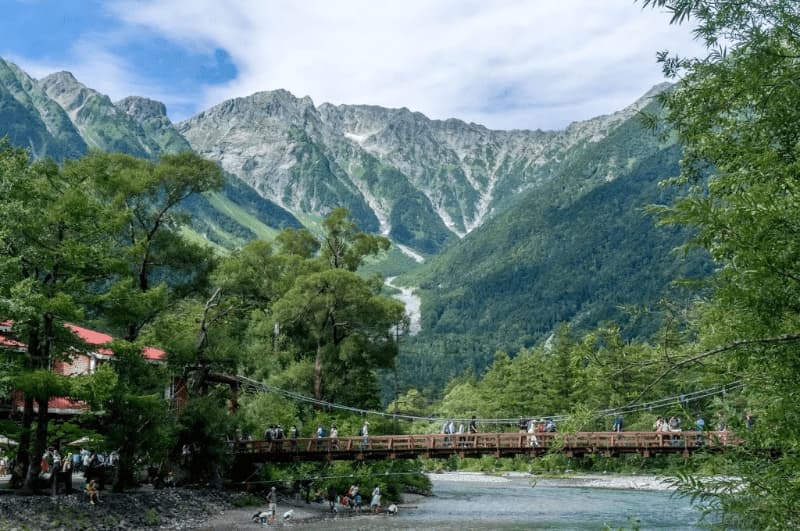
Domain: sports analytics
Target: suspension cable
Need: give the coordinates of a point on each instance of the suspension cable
(255, 386)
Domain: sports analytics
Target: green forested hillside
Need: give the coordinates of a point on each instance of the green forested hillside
(31, 120)
(508, 284)
(60, 118)
(236, 215)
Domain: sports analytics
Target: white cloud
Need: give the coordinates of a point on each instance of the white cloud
(506, 63)
(101, 70)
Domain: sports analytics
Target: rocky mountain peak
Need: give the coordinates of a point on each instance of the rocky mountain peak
(142, 108)
(62, 81)
(261, 109)
(67, 91)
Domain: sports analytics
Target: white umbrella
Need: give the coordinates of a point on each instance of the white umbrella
(6, 442)
(80, 442)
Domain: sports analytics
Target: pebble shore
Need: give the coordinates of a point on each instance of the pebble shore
(143, 509)
(163, 509)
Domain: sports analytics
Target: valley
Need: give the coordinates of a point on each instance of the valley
(488, 221)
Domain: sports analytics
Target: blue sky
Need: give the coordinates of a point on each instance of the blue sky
(502, 63)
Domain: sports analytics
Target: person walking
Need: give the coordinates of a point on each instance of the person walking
(446, 431)
(334, 437)
(617, 427)
(320, 435)
(365, 435)
(532, 440)
(699, 427)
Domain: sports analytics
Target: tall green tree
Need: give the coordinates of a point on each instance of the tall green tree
(54, 245)
(136, 418)
(324, 322)
(737, 112)
(157, 269)
(160, 265)
(342, 323)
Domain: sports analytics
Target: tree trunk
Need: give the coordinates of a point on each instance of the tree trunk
(23, 454)
(318, 374)
(35, 467)
(125, 467)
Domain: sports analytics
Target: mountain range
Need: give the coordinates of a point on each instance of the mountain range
(498, 219)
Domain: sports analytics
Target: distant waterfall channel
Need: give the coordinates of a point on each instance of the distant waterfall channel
(412, 304)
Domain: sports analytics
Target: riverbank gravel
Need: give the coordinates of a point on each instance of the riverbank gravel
(172, 509)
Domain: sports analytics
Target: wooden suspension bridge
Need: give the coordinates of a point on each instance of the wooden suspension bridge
(380, 447)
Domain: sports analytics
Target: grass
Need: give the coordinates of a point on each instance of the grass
(389, 264)
(248, 500)
(242, 217)
(193, 236)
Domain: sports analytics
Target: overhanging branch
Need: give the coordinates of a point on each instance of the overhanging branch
(775, 340)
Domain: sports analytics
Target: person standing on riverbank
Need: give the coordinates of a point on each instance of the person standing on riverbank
(375, 503)
(332, 498)
(272, 505)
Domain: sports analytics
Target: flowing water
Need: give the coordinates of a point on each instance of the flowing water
(412, 304)
(520, 503)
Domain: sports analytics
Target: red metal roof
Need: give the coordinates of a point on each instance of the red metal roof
(10, 343)
(90, 337)
(153, 353)
(61, 403)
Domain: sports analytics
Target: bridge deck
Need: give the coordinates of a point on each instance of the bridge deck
(477, 444)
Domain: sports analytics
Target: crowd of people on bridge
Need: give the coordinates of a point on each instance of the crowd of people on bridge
(454, 431)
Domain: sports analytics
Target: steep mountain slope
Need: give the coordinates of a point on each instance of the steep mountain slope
(567, 252)
(101, 124)
(31, 119)
(151, 116)
(61, 118)
(281, 146)
(422, 182)
(523, 229)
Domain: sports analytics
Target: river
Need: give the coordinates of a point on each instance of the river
(412, 304)
(523, 503)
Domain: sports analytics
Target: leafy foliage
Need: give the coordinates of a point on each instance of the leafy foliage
(736, 113)
(507, 286)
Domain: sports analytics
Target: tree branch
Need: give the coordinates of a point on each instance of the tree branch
(786, 338)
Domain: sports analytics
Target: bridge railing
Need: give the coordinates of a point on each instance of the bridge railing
(422, 443)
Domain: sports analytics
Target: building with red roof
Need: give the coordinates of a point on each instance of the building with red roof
(76, 364)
